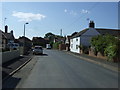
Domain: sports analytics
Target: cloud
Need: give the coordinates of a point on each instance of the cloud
(65, 10)
(83, 11)
(71, 12)
(27, 17)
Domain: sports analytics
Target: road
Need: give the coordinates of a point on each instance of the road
(57, 69)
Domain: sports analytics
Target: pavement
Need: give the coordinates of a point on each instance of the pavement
(114, 66)
(12, 66)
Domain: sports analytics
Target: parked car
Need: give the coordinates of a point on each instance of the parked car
(48, 46)
(13, 45)
(37, 50)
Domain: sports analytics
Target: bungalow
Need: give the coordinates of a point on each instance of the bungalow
(84, 36)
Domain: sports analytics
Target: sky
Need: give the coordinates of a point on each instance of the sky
(44, 17)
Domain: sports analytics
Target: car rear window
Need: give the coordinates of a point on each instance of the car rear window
(38, 47)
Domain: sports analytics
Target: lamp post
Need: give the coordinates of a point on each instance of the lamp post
(24, 28)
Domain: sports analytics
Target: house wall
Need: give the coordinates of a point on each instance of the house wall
(74, 45)
(86, 37)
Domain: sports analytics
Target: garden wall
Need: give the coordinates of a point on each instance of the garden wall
(9, 55)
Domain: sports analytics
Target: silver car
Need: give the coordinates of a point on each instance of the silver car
(37, 50)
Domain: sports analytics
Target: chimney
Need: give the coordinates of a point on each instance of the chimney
(11, 32)
(6, 29)
(91, 24)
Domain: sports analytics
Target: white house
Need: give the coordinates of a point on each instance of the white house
(84, 36)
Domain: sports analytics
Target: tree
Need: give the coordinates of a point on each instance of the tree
(50, 36)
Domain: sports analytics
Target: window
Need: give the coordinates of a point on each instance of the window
(76, 39)
(76, 46)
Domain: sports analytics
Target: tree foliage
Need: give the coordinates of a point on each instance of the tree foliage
(85, 49)
(56, 45)
(50, 36)
(107, 45)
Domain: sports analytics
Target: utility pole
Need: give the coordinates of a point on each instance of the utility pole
(61, 32)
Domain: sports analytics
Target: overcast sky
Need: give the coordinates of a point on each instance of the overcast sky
(46, 17)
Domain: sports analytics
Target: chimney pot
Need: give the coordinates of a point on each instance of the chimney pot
(11, 31)
(92, 24)
(6, 29)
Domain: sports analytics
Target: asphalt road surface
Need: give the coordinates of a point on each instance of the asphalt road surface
(57, 69)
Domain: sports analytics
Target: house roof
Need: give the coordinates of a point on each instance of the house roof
(115, 32)
(102, 31)
(22, 38)
(73, 34)
(9, 36)
(3, 34)
(80, 33)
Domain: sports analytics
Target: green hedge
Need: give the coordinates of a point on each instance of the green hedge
(56, 45)
(108, 45)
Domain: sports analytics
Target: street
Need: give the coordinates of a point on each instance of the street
(57, 69)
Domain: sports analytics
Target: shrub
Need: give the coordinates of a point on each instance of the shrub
(51, 43)
(85, 49)
(56, 45)
(108, 45)
(111, 51)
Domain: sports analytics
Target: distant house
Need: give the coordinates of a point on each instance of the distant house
(59, 39)
(6, 37)
(10, 37)
(84, 36)
(39, 41)
(67, 41)
(24, 42)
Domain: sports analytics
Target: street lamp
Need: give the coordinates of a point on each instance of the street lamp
(24, 43)
(24, 27)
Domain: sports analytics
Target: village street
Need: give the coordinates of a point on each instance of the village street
(57, 69)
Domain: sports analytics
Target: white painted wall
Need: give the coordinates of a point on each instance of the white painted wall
(86, 37)
(73, 44)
